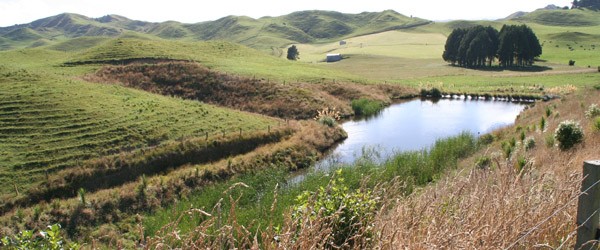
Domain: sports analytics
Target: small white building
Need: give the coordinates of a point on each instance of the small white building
(333, 57)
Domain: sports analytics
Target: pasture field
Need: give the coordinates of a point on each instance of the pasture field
(51, 120)
(413, 57)
(59, 128)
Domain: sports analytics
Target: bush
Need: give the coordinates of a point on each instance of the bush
(328, 116)
(433, 93)
(543, 124)
(366, 107)
(483, 162)
(350, 214)
(486, 139)
(521, 163)
(507, 149)
(592, 111)
(49, 239)
(529, 143)
(550, 140)
(568, 133)
(597, 124)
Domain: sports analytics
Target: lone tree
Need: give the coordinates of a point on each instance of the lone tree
(292, 53)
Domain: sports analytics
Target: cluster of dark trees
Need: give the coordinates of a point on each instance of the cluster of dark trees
(479, 46)
(590, 4)
(292, 53)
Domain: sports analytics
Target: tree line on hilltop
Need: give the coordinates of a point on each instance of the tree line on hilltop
(479, 46)
(590, 4)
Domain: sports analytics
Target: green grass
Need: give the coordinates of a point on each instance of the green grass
(366, 107)
(223, 56)
(49, 123)
(575, 17)
(255, 202)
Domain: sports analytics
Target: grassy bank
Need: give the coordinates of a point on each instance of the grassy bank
(197, 82)
(111, 209)
(50, 124)
(366, 107)
(529, 185)
(261, 203)
(450, 189)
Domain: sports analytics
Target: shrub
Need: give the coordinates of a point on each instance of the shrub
(350, 214)
(592, 111)
(507, 149)
(432, 93)
(529, 143)
(597, 86)
(550, 140)
(548, 112)
(521, 163)
(486, 139)
(522, 136)
(436, 93)
(328, 116)
(366, 107)
(597, 124)
(543, 124)
(49, 239)
(483, 162)
(568, 133)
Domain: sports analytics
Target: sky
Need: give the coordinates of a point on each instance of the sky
(193, 11)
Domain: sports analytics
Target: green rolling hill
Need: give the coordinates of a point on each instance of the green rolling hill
(262, 33)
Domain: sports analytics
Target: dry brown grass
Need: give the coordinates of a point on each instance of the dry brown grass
(293, 100)
(501, 207)
(110, 206)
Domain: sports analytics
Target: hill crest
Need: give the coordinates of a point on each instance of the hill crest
(296, 27)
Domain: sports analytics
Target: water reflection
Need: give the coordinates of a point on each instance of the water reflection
(417, 124)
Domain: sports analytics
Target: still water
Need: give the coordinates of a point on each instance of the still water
(417, 124)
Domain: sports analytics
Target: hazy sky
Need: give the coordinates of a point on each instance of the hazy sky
(190, 11)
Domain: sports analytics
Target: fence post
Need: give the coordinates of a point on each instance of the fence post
(588, 205)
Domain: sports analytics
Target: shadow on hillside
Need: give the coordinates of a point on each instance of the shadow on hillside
(534, 68)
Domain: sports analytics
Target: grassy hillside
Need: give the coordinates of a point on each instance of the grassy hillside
(263, 33)
(574, 17)
(413, 57)
(51, 120)
(223, 56)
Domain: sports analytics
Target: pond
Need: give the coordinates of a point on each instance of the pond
(417, 124)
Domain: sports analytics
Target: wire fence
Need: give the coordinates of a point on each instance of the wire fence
(561, 209)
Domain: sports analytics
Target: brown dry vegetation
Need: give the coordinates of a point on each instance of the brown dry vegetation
(497, 206)
(109, 206)
(115, 170)
(196, 82)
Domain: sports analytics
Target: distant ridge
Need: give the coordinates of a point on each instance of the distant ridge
(297, 27)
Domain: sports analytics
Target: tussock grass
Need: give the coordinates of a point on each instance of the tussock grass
(248, 220)
(507, 204)
(111, 210)
(527, 199)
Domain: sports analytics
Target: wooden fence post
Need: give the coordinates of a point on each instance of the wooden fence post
(588, 206)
